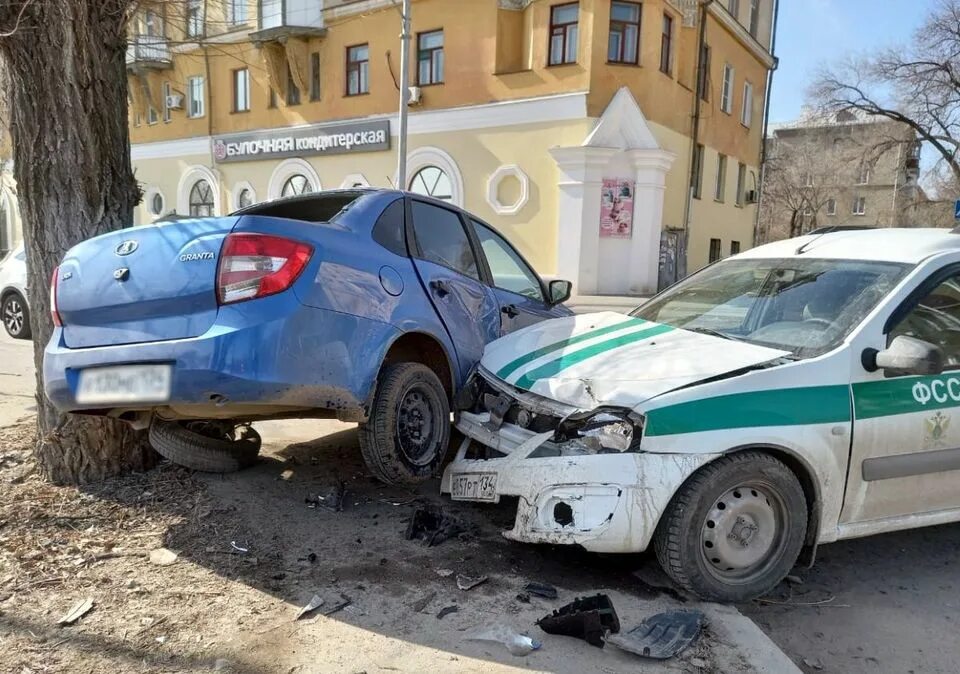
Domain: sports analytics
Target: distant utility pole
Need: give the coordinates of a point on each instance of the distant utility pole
(404, 96)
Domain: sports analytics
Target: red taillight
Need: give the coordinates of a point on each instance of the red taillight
(257, 265)
(54, 314)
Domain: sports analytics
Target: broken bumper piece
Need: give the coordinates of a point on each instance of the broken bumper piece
(603, 502)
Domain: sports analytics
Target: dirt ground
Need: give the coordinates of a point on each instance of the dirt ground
(254, 547)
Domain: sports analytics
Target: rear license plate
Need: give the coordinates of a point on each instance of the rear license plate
(124, 384)
(474, 487)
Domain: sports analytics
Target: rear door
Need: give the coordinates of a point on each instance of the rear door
(448, 267)
(519, 291)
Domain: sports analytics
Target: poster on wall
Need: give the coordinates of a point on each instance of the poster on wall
(616, 209)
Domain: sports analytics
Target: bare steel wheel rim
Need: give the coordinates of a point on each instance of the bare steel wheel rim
(13, 316)
(418, 424)
(744, 534)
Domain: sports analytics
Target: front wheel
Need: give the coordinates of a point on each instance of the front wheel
(16, 316)
(734, 529)
(406, 438)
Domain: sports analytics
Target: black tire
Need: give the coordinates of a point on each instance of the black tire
(186, 447)
(406, 438)
(15, 316)
(703, 541)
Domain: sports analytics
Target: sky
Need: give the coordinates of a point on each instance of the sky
(813, 32)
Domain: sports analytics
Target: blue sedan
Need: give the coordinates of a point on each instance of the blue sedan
(362, 305)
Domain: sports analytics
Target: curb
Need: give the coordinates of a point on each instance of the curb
(744, 636)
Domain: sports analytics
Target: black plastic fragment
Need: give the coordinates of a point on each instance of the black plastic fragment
(432, 527)
(587, 618)
(541, 590)
(661, 636)
(447, 610)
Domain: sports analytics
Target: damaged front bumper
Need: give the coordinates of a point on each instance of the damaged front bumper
(609, 502)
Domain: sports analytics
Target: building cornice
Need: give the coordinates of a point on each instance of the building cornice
(742, 35)
(515, 5)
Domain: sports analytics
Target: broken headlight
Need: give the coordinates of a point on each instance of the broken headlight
(598, 432)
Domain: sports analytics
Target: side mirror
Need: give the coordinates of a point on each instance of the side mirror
(560, 291)
(905, 355)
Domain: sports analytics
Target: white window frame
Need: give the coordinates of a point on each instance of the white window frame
(746, 114)
(733, 6)
(195, 22)
(753, 21)
(726, 95)
(196, 95)
(859, 205)
(237, 12)
(167, 91)
(863, 178)
(720, 184)
(741, 184)
(244, 104)
(153, 117)
(831, 206)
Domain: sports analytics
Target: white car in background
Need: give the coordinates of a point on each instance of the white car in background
(14, 310)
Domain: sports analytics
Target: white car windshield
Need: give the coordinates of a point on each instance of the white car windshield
(805, 306)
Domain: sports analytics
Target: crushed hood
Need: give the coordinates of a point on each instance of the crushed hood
(609, 358)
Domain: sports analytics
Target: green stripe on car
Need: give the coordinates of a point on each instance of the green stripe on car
(755, 409)
(516, 364)
(556, 366)
(903, 395)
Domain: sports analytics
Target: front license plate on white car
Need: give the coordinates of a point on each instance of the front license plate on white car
(124, 384)
(474, 487)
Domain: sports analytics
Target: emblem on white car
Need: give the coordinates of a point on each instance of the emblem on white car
(126, 247)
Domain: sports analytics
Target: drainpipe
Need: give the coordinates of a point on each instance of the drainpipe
(766, 122)
(695, 135)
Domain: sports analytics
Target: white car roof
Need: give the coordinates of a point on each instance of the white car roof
(888, 245)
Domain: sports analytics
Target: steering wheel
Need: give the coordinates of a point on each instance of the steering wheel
(820, 321)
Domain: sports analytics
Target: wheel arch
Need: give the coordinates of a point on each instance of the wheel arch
(11, 290)
(422, 347)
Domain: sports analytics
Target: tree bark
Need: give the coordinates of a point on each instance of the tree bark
(66, 64)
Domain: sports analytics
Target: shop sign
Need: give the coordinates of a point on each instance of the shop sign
(616, 209)
(314, 140)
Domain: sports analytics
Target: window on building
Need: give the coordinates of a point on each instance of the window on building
(741, 183)
(726, 95)
(806, 179)
(167, 91)
(295, 185)
(195, 94)
(859, 205)
(430, 58)
(697, 177)
(272, 102)
(704, 80)
(831, 206)
(152, 24)
(237, 11)
(624, 42)
(202, 204)
(152, 115)
(358, 70)
(715, 250)
(293, 91)
(720, 188)
(245, 198)
(155, 205)
(241, 90)
(194, 18)
(315, 76)
(137, 119)
(734, 7)
(442, 239)
(666, 44)
(746, 113)
(754, 17)
(564, 30)
(863, 177)
(432, 182)
(734, 247)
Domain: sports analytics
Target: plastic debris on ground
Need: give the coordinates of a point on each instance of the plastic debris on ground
(540, 590)
(77, 611)
(432, 527)
(587, 618)
(330, 498)
(312, 606)
(661, 636)
(469, 582)
(444, 573)
(447, 610)
(516, 643)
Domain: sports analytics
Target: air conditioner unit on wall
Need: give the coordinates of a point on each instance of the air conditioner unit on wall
(414, 98)
(175, 102)
(751, 197)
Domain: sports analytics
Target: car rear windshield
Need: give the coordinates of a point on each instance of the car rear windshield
(323, 207)
(803, 305)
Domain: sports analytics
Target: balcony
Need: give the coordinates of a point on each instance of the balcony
(148, 51)
(280, 19)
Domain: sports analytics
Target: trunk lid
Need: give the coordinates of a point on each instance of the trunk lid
(143, 284)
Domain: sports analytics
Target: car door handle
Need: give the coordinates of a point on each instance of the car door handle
(511, 310)
(440, 288)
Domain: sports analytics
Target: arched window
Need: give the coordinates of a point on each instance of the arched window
(202, 204)
(432, 182)
(245, 198)
(296, 184)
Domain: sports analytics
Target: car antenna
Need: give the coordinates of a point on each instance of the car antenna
(802, 249)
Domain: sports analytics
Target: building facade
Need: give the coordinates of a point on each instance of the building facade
(581, 130)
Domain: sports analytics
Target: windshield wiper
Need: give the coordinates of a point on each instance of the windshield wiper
(715, 333)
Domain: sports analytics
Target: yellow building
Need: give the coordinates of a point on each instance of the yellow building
(567, 125)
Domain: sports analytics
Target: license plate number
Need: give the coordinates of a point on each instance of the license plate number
(474, 487)
(124, 384)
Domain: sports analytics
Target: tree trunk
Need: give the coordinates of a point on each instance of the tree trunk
(66, 63)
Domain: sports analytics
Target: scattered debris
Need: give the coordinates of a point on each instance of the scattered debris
(339, 607)
(163, 557)
(470, 582)
(518, 644)
(444, 573)
(587, 618)
(813, 664)
(423, 602)
(77, 611)
(447, 610)
(699, 663)
(161, 640)
(233, 544)
(795, 580)
(331, 498)
(314, 604)
(661, 636)
(286, 475)
(540, 590)
(432, 527)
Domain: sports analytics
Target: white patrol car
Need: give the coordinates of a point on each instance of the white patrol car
(796, 394)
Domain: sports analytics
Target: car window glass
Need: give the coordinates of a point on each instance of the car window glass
(21, 255)
(388, 231)
(936, 319)
(508, 269)
(442, 238)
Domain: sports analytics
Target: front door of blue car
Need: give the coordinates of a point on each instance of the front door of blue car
(447, 265)
(518, 289)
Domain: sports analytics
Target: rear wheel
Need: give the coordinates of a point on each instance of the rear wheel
(406, 438)
(208, 446)
(15, 316)
(734, 529)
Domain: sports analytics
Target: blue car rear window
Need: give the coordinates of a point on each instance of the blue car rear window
(323, 207)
